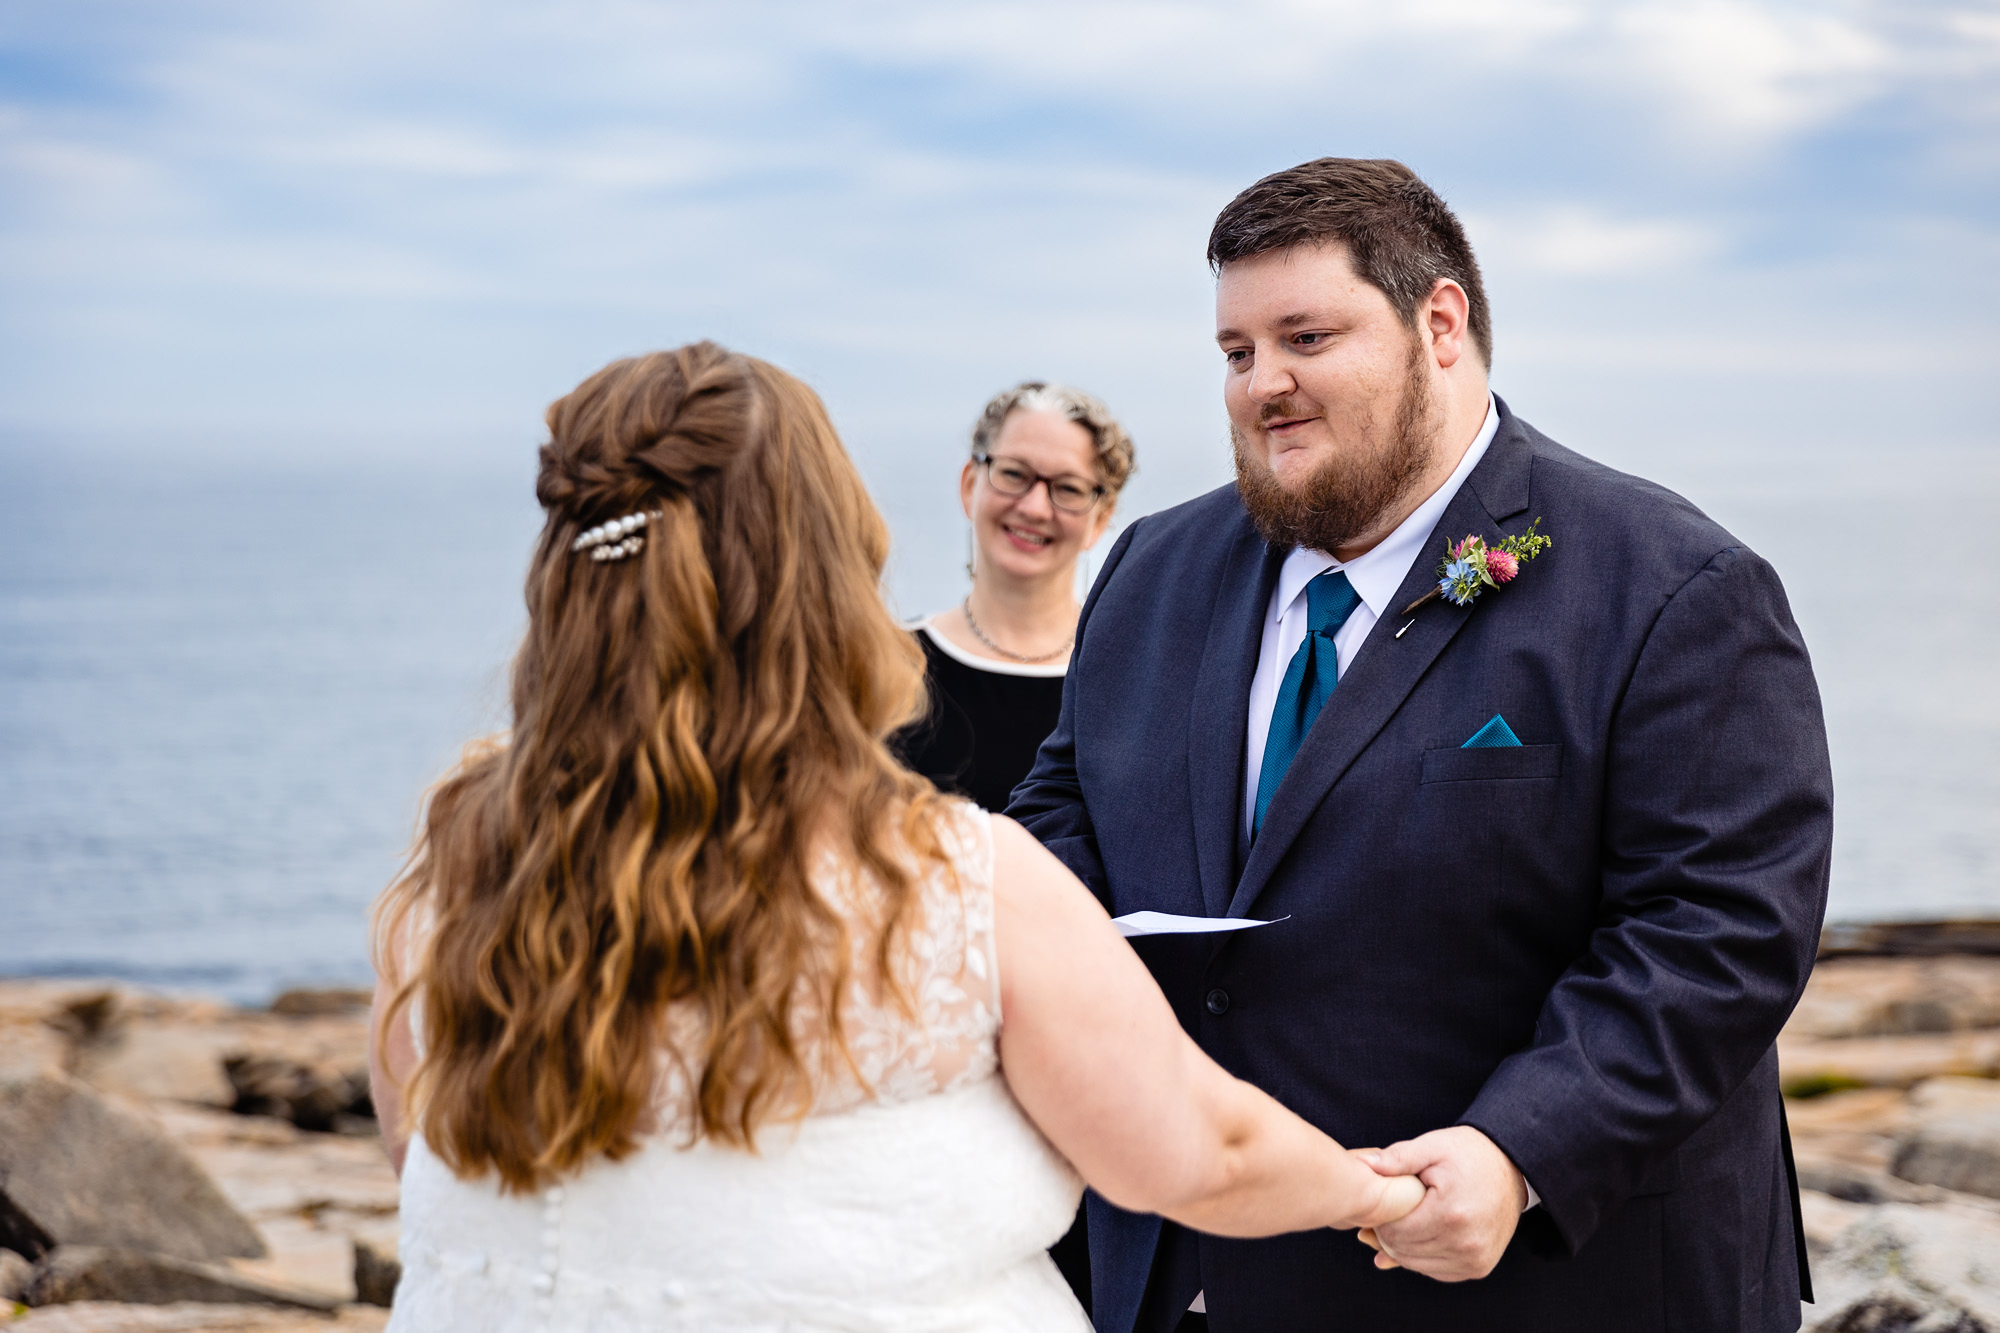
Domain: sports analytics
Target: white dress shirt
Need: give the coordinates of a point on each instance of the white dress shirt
(1376, 576)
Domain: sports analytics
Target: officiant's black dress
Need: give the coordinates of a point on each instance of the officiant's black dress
(985, 723)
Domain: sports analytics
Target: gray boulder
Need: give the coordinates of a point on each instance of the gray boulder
(16, 1274)
(92, 1273)
(79, 1171)
(310, 1096)
(21, 1233)
(1902, 1268)
(1954, 1140)
(375, 1275)
(312, 1003)
(159, 1061)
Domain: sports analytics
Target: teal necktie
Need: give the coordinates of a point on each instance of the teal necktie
(1309, 680)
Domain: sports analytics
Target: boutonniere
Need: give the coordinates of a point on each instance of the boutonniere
(1470, 566)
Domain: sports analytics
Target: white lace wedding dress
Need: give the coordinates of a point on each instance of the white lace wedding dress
(926, 1205)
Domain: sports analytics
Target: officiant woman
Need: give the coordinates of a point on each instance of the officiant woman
(1046, 467)
(1047, 464)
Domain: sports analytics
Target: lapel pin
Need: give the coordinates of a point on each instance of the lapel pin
(1406, 629)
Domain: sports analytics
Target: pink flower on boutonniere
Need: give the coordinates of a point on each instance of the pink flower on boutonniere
(1471, 566)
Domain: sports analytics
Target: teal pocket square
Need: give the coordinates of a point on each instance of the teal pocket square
(1495, 735)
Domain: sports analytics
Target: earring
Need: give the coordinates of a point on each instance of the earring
(971, 553)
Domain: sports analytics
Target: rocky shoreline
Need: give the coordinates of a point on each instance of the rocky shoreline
(172, 1163)
(110, 1095)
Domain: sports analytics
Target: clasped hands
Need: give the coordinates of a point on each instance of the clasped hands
(1472, 1201)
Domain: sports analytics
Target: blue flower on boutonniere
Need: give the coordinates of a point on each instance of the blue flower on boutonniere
(1471, 566)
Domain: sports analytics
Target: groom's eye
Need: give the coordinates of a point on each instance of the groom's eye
(1309, 339)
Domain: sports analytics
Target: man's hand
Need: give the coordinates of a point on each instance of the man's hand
(1473, 1201)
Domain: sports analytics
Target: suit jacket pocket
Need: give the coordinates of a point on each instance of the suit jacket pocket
(1514, 761)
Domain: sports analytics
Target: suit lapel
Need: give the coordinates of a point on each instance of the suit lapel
(1217, 721)
(1387, 668)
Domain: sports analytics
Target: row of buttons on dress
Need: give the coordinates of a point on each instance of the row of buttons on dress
(474, 1263)
(544, 1282)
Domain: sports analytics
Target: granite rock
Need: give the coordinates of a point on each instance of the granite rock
(28, 1049)
(20, 1232)
(311, 1196)
(1808, 1066)
(158, 1060)
(310, 1096)
(86, 1172)
(322, 1001)
(375, 1275)
(96, 1273)
(16, 1275)
(1906, 1268)
(1955, 1139)
(1888, 997)
(183, 1317)
(1961, 937)
(1843, 1143)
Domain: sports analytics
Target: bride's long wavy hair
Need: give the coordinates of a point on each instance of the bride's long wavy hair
(694, 725)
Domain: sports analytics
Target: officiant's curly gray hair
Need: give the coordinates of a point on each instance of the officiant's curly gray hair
(1400, 236)
(1115, 460)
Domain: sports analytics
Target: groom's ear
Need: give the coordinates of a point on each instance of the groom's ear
(1445, 318)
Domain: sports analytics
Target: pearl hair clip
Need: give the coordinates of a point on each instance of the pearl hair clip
(616, 538)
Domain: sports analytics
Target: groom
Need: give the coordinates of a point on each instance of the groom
(1546, 857)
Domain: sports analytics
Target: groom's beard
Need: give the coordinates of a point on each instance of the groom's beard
(1342, 498)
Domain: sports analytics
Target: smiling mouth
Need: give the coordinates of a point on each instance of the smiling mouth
(1031, 538)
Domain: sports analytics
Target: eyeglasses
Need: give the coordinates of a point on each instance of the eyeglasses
(1070, 493)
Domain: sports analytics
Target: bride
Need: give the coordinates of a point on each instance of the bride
(697, 1011)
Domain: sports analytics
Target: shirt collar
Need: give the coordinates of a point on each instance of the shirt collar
(1378, 574)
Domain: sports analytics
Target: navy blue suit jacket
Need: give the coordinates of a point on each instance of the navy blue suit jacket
(1584, 946)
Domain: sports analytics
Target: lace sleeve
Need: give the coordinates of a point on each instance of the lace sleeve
(972, 848)
(946, 967)
(949, 971)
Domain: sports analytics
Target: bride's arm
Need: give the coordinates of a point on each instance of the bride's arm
(392, 1056)
(1095, 1056)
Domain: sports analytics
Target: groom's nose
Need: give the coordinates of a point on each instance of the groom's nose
(1269, 382)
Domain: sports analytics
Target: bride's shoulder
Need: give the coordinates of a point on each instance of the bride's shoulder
(966, 834)
(955, 890)
(1019, 858)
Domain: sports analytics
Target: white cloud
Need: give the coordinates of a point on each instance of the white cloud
(943, 194)
(401, 148)
(1577, 240)
(1719, 76)
(67, 175)
(1739, 68)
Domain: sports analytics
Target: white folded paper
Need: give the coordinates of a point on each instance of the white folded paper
(1166, 923)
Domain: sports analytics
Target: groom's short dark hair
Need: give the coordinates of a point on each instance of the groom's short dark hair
(1399, 235)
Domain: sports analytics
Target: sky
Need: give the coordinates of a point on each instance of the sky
(365, 226)
(1749, 248)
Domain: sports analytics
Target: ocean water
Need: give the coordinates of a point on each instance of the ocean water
(222, 691)
(224, 687)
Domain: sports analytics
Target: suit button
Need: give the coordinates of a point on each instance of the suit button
(1218, 1001)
